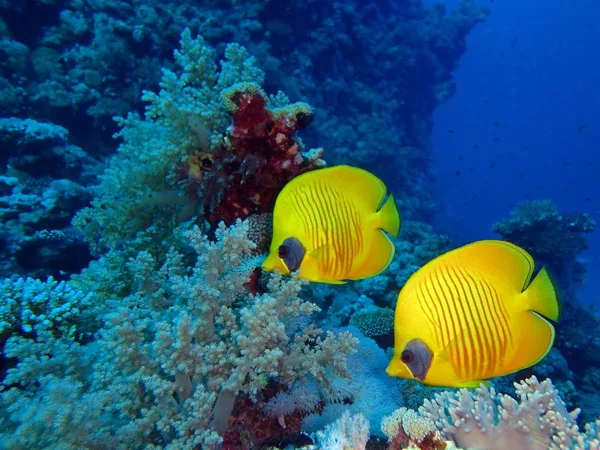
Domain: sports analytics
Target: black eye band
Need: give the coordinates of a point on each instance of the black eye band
(292, 252)
(417, 357)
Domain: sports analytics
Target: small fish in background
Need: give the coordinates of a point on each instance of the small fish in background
(330, 224)
(582, 127)
(472, 314)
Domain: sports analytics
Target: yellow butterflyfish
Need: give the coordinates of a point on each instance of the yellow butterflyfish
(329, 225)
(473, 313)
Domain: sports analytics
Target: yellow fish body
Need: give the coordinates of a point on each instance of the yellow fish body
(328, 224)
(472, 314)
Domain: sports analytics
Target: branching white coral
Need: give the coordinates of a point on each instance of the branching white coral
(538, 420)
(182, 347)
(26, 304)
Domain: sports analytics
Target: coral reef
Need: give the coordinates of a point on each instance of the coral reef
(261, 154)
(182, 159)
(28, 304)
(348, 432)
(374, 73)
(406, 428)
(364, 391)
(192, 345)
(43, 183)
(373, 321)
(185, 345)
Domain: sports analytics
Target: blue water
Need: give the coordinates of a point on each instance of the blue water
(527, 95)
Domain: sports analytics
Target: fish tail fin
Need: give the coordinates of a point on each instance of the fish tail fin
(541, 306)
(388, 217)
(543, 296)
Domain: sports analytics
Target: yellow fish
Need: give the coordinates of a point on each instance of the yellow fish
(472, 314)
(328, 224)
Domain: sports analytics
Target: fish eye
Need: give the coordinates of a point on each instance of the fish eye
(283, 251)
(206, 163)
(407, 356)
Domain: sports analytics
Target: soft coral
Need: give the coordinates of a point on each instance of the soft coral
(260, 154)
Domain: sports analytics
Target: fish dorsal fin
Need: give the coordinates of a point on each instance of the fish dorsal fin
(357, 183)
(452, 349)
(366, 189)
(500, 260)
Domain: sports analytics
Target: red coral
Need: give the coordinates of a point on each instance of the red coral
(251, 428)
(402, 440)
(251, 114)
(260, 155)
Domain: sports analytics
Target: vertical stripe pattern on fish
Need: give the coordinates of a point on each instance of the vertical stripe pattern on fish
(335, 219)
(466, 315)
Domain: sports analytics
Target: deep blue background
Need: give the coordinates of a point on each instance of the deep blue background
(527, 86)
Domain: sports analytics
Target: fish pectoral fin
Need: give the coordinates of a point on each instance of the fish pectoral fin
(313, 265)
(320, 253)
(452, 347)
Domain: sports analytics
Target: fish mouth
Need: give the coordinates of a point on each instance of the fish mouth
(291, 252)
(420, 361)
